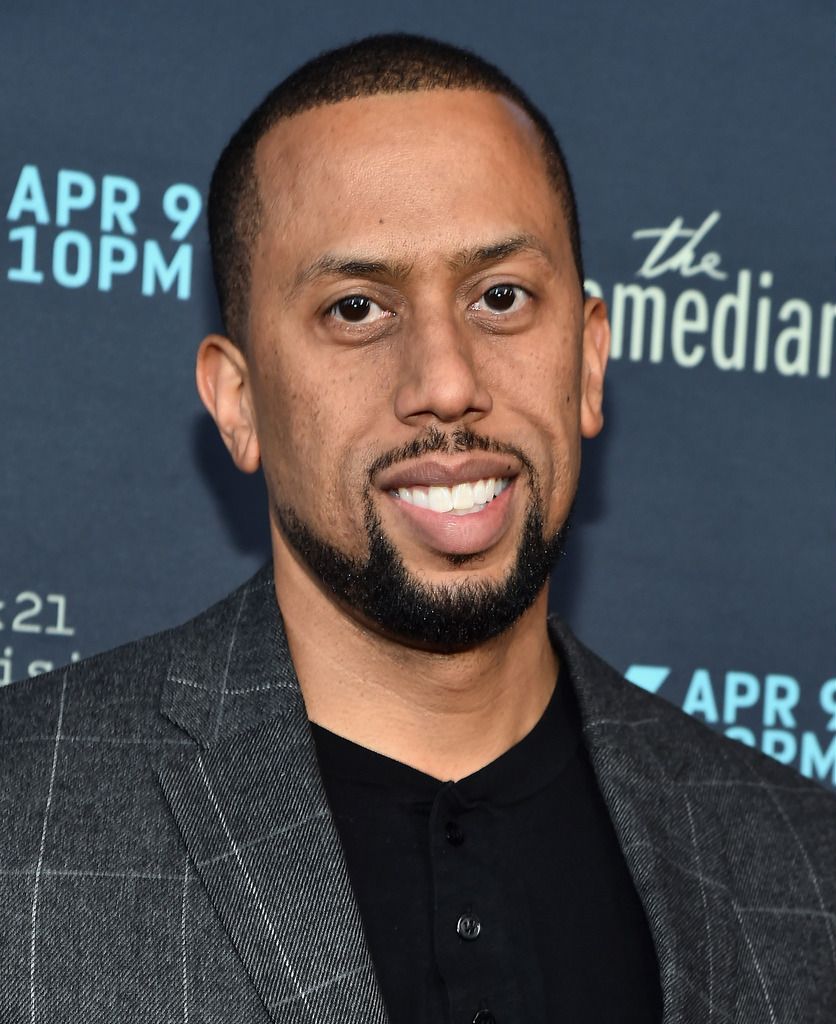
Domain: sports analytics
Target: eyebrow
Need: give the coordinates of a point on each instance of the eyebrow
(334, 265)
(493, 252)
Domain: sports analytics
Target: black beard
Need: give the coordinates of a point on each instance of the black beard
(432, 616)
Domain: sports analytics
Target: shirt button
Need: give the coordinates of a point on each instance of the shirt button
(468, 926)
(484, 1017)
(454, 834)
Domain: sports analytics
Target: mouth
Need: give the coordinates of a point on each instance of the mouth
(455, 507)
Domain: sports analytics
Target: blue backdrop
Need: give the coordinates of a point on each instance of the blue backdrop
(702, 559)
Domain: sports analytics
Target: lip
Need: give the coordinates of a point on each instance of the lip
(450, 534)
(437, 473)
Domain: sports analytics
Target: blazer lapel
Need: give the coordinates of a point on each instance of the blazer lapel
(252, 811)
(250, 806)
(669, 836)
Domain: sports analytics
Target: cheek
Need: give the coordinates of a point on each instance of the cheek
(307, 430)
(542, 381)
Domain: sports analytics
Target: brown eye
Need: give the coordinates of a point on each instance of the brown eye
(353, 308)
(503, 298)
(357, 309)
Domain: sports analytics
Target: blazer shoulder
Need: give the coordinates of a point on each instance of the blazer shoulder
(684, 750)
(127, 676)
(122, 683)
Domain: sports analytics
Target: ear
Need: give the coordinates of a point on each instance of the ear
(596, 350)
(222, 378)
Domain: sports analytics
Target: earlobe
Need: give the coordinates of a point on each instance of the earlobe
(222, 379)
(596, 350)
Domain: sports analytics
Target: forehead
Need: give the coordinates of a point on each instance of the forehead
(418, 169)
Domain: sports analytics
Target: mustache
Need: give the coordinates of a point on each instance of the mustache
(462, 439)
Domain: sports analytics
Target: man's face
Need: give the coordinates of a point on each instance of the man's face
(417, 340)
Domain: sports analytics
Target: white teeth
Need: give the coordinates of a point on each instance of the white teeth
(441, 499)
(462, 498)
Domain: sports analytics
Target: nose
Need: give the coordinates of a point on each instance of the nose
(440, 379)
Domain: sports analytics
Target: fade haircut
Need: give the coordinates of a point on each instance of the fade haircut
(377, 64)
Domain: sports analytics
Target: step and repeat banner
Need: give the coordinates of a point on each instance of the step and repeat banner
(703, 551)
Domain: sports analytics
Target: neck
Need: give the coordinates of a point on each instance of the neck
(445, 714)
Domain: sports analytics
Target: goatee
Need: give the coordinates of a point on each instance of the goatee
(434, 616)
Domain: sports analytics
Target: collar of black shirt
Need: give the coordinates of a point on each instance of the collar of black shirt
(532, 763)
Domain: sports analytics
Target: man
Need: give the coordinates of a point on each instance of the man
(375, 783)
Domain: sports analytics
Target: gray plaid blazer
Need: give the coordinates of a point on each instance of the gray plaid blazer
(168, 854)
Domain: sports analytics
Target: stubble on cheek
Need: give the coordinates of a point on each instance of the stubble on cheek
(316, 475)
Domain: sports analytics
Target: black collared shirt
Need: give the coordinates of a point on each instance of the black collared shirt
(503, 897)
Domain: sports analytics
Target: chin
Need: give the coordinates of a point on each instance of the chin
(426, 611)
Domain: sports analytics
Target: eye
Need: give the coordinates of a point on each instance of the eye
(502, 298)
(356, 309)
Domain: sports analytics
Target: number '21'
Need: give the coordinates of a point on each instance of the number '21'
(32, 606)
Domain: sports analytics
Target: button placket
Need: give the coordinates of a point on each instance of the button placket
(461, 873)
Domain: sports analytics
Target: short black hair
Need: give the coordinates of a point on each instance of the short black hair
(377, 64)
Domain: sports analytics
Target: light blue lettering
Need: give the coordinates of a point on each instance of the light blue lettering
(60, 262)
(816, 763)
(741, 691)
(699, 700)
(29, 196)
(155, 268)
(26, 272)
(120, 198)
(780, 744)
(116, 256)
(182, 205)
(780, 696)
(75, 191)
(827, 699)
